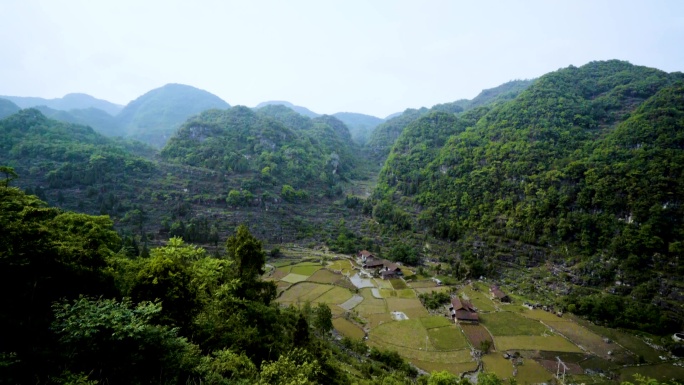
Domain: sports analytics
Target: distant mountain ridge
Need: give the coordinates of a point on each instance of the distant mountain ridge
(156, 115)
(299, 109)
(68, 102)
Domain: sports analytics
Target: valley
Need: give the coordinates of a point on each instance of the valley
(565, 190)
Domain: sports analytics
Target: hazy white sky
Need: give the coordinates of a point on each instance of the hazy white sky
(370, 56)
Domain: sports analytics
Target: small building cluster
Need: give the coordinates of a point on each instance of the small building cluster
(384, 268)
(463, 311)
(498, 294)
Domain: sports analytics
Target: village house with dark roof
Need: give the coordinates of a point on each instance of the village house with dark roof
(363, 255)
(498, 294)
(463, 311)
(385, 268)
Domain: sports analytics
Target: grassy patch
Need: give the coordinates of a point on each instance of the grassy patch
(374, 320)
(348, 328)
(383, 283)
(476, 334)
(406, 293)
(531, 372)
(437, 289)
(341, 265)
(479, 299)
(629, 341)
(495, 363)
(505, 323)
(447, 338)
(305, 268)
(423, 284)
(336, 295)
(411, 307)
(584, 337)
(435, 322)
(303, 291)
(294, 278)
(661, 372)
(370, 304)
(398, 283)
(453, 368)
(551, 343)
(324, 276)
(401, 334)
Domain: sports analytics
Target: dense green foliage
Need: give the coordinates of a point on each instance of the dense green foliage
(298, 109)
(275, 144)
(155, 116)
(586, 161)
(78, 310)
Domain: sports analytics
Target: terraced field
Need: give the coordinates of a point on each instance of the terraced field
(393, 318)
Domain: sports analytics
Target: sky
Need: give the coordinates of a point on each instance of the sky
(375, 57)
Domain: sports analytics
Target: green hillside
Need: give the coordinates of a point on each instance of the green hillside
(155, 116)
(584, 164)
(7, 108)
(99, 120)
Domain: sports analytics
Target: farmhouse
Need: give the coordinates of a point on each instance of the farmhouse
(385, 268)
(463, 311)
(498, 294)
(364, 255)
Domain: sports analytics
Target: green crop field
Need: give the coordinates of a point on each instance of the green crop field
(505, 323)
(302, 292)
(661, 372)
(305, 268)
(423, 284)
(374, 320)
(405, 293)
(324, 276)
(531, 372)
(435, 322)
(401, 334)
(634, 343)
(584, 337)
(294, 278)
(398, 283)
(479, 299)
(411, 307)
(342, 265)
(348, 328)
(540, 315)
(447, 338)
(437, 289)
(336, 295)
(553, 343)
(383, 284)
(370, 304)
(495, 363)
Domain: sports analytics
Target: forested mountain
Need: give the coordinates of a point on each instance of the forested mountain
(385, 134)
(99, 120)
(275, 145)
(73, 101)
(7, 108)
(299, 109)
(155, 116)
(360, 126)
(585, 163)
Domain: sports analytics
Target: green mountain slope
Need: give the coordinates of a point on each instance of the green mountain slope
(360, 126)
(302, 152)
(73, 101)
(7, 108)
(298, 109)
(585, 163)
(155, 116)
(99, 120)
(383, 137)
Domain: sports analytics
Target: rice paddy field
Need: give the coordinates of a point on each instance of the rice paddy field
(432, 341)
